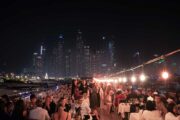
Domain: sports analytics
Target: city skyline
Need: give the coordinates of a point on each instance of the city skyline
(80, 60)
(136, 26)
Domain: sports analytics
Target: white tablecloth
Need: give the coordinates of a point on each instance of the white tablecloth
(122, 108)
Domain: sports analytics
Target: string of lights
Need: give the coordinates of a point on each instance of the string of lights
(146, 63)
(121, 75)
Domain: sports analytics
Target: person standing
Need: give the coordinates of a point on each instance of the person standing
(83, 87)
(3, 113)
(19, 112)
(108, 101)
(172, 112)
(160, 105)
(49, 105)
(63, 112)
(94, 101)
(33, 100)
(39, 113)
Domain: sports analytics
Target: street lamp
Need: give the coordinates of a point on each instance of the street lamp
(124, 79)
(120, 80)
(165, 75)
(133, 79)
(142, 77)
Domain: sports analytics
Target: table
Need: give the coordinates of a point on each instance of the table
(122, 108)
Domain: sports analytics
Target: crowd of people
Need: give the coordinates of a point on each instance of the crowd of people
(88, 100)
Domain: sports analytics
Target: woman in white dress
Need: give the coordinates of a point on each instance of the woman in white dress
(108, 101)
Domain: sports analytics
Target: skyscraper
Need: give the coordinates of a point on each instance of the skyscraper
(111, 51)
(79, 54)
(98, 67)
(69, 64)
(93, 65)
(56, 59)
(39, 65)
(87, 62)
(38, 61)
(103, 61)
(34, 64)
(59, 57)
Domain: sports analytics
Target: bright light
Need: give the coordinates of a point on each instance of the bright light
(165, 75)
(46, 76)
(18, 77)
(57, 87)
(142, 77)
(133, 79)
(115, 81)
(120, 79)
(124, 79)
(110, 80)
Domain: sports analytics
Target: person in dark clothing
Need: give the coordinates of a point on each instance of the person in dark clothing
(94, 97)
(53, 107)
(83, 87)
(99, 98)
(3, 114)
(33, 99)
(49, 105)
(132, 95)
(75, 90)
(19, 112)
(9, 108)
(5, 98)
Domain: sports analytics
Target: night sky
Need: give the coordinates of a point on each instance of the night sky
(148, 27)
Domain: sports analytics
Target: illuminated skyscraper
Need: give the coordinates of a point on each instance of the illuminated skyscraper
(38, 64)
(56, 58)
(87, 62)
(59, 54)
(79, 54)
(38, 61)
(70, 64)
(103, 61)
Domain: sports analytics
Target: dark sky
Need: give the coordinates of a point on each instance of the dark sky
(148, 27)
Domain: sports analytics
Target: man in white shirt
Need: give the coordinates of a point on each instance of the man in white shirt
(39, 113)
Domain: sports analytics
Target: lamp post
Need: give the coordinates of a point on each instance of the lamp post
(165, 76)
(133, 79)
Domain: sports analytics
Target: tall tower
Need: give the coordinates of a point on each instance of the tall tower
(38, 63)
(104, 56)
(111, 51)
(60, 56)
(42, 50)
(68, 60)
(57, 59)
(87, 62)
(79, 54)
(34, 66)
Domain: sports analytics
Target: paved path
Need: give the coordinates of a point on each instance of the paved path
(104, 115)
